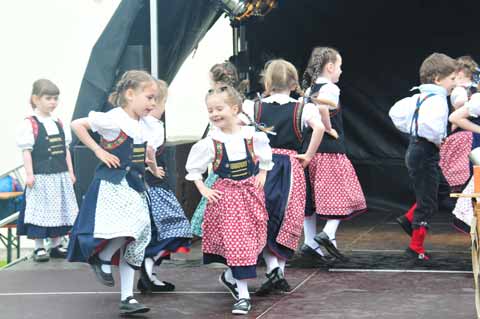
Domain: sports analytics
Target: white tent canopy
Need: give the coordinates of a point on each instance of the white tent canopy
(53, 39)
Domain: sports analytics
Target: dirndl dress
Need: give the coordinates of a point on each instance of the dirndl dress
(50, 205)
(171, 231)
(115, 206)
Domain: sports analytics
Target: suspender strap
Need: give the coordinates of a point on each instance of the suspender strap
(420, 101)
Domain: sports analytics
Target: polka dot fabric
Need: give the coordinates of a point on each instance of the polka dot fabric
(335, 186)
(236, 226)
(168, 215)
(292, 224)
(454, 160)
(121, 211)
(464, 209)
(51, 201)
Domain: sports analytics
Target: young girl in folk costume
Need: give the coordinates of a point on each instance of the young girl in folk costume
(467, 117)
(51, 206)
(235, 221)
(285, 185)
(114, 215)
(336, 191)
(170, 228)
(220, 75)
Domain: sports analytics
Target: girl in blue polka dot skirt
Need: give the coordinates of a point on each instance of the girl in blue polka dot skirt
(171, 231)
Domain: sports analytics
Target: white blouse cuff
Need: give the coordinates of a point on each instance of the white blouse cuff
(193, 176)
(265, 165)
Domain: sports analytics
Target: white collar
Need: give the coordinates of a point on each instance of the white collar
(279, 98)
(219, 135)
(322, 79)
(42, 117)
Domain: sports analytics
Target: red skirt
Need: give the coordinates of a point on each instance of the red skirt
(454, 160)
(236, 226)
(337, 193)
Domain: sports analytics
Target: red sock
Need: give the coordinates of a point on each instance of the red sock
(418, 238)
(409, 214)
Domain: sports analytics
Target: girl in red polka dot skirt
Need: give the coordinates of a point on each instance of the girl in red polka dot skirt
(235, 220)
(335, 190)
(285, 185)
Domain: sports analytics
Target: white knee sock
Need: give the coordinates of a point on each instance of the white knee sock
(39, 244)
(109, 250)
(149, 262)
(270, 259)
(310, 230)
(281, 264)
(229, 276)
(55, 242)
(127, 274)
(331, 229)
(242, 286)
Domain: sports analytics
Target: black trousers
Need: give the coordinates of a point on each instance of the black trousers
(429, 184)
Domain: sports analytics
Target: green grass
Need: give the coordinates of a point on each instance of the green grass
(3, 263)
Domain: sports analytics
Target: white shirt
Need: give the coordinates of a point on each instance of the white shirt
(109, 124)
(310, 111)
(330, 91)
(203, 152)
(433, 114)
(157, 138)
(474, 105)
(459, 94)
(26, 139)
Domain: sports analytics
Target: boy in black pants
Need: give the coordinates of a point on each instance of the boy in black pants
(428, 129)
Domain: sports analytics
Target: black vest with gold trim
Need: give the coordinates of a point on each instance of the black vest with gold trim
(236, 170)
(286, 121)
(49, 152)
(132, 162)
(329, 144)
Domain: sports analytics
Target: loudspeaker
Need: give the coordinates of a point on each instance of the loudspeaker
(84, 164)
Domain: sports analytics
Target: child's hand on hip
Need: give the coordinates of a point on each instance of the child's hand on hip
(109, 159)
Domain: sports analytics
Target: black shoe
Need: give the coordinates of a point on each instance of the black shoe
(324, 261)
(58, 252)
(405, 223)
(323, 240)
(416, 258)
(275, 282)
(232, 288)
(163, 288)
(40, 257)
(128, 308)
(103, 277)
(152, 287)
(242, 307)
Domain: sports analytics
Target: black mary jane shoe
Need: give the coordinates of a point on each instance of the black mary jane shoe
(58, 252)
(40, 257)
(131, 308)
(152, 287)
(309, 252)
(323, 240)
(146, 286)
(275, 282)
(103, 277)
